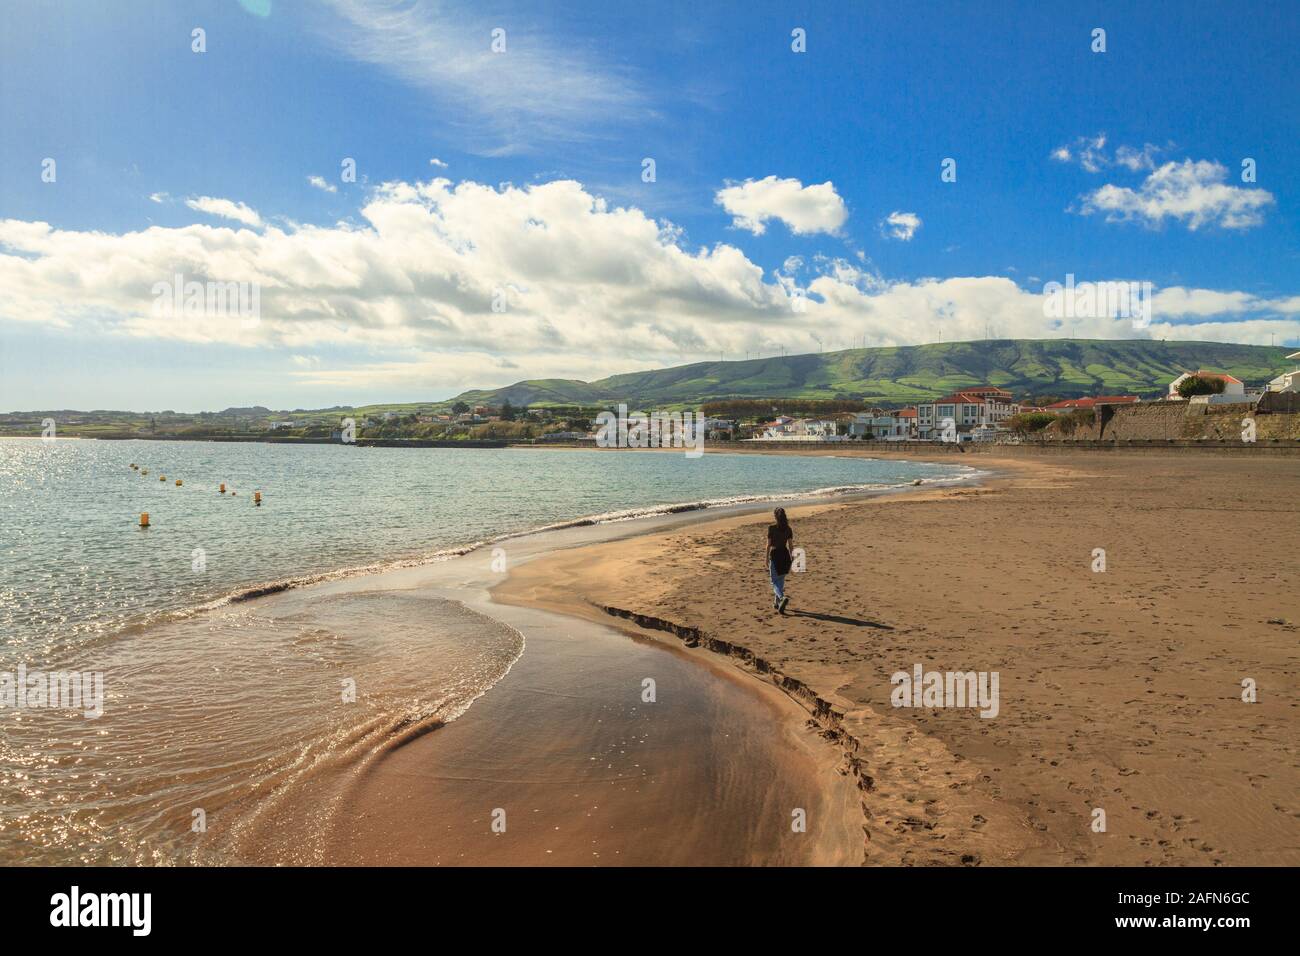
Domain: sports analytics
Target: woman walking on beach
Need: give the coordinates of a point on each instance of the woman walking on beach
(779, 557)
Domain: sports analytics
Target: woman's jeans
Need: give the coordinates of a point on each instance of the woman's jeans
(778, 581)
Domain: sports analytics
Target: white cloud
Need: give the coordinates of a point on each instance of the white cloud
(405, 294)
(435, 161)
(1137, 159)
(1178, 301)
(538, 89)
(158, 197)
(1194, 193)
(1088, 151)
(901, 225)
(226, 209)
(805, 209)
(320, 183)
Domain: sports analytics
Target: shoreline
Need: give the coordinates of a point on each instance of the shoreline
(708, 507)
(759, 742)
(896, 759)
(315, 635)
(546, 584)
(664, 581)
(768, 745)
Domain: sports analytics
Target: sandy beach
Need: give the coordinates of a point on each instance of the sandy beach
(569, 760)
(1121, 690)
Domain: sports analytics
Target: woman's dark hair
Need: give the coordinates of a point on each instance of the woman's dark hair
(781, 518)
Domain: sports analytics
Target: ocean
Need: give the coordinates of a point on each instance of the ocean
(215, 697)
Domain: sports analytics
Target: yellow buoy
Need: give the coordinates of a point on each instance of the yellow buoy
(145, 472)
(162, 477)
(178, 482)
(144, 519)
(257, 497)
(222, 487)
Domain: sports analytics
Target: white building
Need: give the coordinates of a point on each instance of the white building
(815, 427)
(778, 428)
(886, 426)
(719, 428)
(801, 429)
(1287, 381)
(968, 409)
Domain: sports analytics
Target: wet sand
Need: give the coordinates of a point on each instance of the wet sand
(566, 750)
(1121, 690)
(582, 771)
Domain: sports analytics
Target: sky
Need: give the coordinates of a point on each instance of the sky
(354, 201)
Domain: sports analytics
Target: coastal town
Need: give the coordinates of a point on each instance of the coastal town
(1195, 404)
(989, 413)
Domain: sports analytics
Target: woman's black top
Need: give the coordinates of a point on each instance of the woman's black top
(778, 543)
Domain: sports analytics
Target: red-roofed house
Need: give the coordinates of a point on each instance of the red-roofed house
(907, 417)
(1070, 404)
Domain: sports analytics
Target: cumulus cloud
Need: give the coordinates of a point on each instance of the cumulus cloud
(804, 209)
(901, 225)
(406, 293)
(226, 209)
(435, 161)
(320, 183)
(1194, 193)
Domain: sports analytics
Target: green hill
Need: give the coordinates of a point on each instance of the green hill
(1068, 368)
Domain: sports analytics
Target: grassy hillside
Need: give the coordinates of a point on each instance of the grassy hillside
(1068, 368)
(890, 376)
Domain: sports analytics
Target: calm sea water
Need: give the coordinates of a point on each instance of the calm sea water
(227, 705)
(76, 565)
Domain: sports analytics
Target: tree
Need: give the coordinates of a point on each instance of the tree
(507, 411)
(1200, 385)
(460, 408)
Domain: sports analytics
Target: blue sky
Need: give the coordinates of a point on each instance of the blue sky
(775, 171)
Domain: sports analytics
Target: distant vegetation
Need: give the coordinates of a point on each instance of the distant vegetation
(1028, 422)
(1200, 385)
(1059, 368)
(1067, 423)
(818, 384)
(750, 409)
